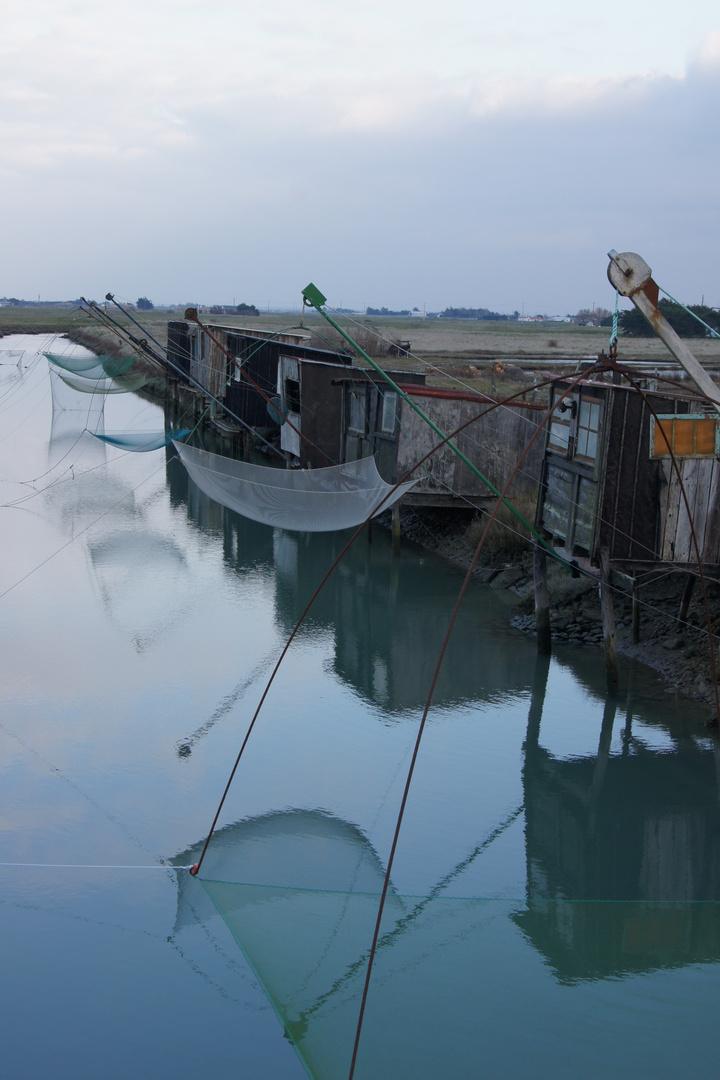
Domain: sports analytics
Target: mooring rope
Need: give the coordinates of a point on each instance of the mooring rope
(91, 866)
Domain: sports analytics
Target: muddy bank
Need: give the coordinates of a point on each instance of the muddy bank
(678, 651)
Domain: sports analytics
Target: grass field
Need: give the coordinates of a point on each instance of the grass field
(448, 343)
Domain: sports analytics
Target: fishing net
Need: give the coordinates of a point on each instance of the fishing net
(120, 384)
(141, 441)
(92, 367)
(306, 500)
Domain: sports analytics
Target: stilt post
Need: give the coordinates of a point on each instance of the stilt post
(635, 613)
(686, 598)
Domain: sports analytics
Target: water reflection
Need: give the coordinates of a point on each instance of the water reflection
(622, 874)
(384, 614)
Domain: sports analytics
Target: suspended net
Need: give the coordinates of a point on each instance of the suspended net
(92, 367)
(457, 980)
(306, 500)
(141, 441)
(120, 384)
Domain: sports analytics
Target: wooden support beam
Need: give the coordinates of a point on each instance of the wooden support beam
(635, 613)
(542, 602)
(686, 598)
(608, 618)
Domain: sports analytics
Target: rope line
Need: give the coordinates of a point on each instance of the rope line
(713, 332)
(92, 866)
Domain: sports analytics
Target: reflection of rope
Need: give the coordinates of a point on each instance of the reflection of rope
(92, 866)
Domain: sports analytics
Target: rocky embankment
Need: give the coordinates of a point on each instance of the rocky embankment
(678, 651)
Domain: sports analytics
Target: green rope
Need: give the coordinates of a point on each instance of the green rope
(312, 297)
(713, 332)
(614, 335)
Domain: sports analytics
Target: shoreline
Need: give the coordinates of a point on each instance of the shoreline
(677, 652)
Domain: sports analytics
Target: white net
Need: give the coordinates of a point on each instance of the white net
(306, 500)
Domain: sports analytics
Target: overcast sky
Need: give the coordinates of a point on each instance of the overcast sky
(393, 152)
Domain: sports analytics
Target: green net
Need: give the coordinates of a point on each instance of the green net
(92, 367)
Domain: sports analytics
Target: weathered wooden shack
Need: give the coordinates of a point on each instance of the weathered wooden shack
(348, 415)
(493, 442)
(257, 351)
(608, 482)
(314, 396)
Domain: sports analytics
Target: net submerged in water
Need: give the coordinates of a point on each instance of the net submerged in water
(305, 500)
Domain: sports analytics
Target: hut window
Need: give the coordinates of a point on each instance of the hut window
(688, 436)
(292, 395)
(588, 429)
(357, 411)
(559, 434)
(387, 416)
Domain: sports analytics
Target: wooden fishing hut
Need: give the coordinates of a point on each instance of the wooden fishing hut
(608, 483)
(314, 396)
(353, 414)
(258, 351)
(611, 501)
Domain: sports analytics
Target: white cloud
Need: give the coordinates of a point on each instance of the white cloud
(462, 155)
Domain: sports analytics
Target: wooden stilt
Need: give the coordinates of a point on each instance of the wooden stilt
(396, 529)
(608, 618)
(686, 598)
(542, 602)
(635, 614)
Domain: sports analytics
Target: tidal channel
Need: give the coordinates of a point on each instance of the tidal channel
(554, 907)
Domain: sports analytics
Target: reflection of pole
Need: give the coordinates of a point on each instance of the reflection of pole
(542, 602)
(396, 528)
(537, 701)
(608, 618)
(603, 756)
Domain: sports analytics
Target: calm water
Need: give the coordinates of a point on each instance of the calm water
(554, 903)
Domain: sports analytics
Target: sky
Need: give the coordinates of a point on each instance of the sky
(394, 153)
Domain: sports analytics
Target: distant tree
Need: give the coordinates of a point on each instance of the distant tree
(386, 311)
(633, 324)
(591, 317)
(144, 304)
(247, 309)
(472, 313)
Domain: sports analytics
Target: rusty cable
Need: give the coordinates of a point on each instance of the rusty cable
(696, 545)
(436, 673)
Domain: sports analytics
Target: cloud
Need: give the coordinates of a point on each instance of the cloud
(215, 156)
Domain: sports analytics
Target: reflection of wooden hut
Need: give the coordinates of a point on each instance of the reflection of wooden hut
(608, 481)
(618, 879)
